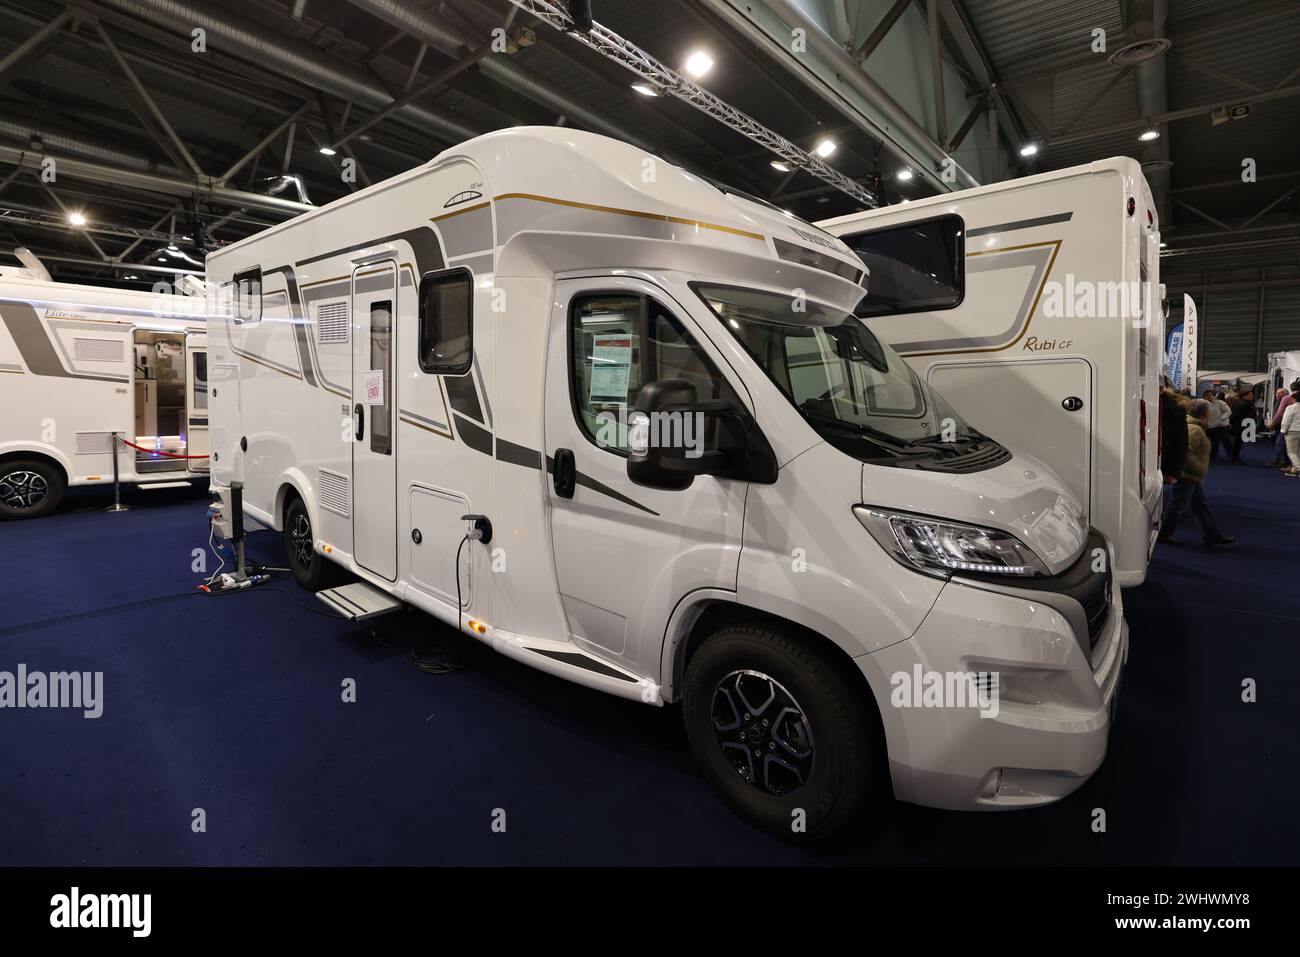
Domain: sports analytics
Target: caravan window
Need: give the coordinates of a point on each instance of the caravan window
(446, 322)
(920, 267)
(619, 341)
(248, 295)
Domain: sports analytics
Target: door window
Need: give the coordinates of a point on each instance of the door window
(381, 360)
(620, 341)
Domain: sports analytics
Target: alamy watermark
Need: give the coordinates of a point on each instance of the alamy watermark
(920, 688)
(83, 690)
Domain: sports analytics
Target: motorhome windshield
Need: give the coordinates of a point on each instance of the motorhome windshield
(835, 371)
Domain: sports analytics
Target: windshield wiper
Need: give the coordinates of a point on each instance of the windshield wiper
(889, 438)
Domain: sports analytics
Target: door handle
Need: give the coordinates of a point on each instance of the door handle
(1072, 403)
(565, 476)
(360, 412)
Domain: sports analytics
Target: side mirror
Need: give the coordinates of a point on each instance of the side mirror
(673, 436)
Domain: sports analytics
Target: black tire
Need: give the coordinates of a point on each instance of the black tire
(844, 770)
(312, 570)
(29, 488)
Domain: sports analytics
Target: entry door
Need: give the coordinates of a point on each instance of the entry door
(374, 464)
(1039, 406)
(196, 400)
(624, 553)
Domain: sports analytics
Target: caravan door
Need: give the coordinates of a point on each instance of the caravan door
(374, 464)
(625, 554)
(196, 401)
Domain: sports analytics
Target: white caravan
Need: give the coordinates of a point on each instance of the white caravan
(1035, 307)
(1283, 370)
(79, 363)
(622, 426)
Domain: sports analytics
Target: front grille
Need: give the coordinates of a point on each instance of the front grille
(1096, 607)
(1091, 589)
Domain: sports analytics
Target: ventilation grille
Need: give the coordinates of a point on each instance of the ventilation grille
(332, 322)
(332, 493)
(97, 350)
(94, 443)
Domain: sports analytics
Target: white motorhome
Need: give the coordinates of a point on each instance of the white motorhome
(1283, 370)
(462, 386)
(80, 363)
(1035, 307)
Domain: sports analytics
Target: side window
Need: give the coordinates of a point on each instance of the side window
(248, 295)
(200, 383)
(620, 341)
(446, 322)
(920, 267)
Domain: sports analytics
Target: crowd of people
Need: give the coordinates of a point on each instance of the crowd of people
(1194, 432)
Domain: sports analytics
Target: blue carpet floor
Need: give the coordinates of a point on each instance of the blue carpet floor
(232, 704)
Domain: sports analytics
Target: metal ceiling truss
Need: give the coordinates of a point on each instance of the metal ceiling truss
(669, 82)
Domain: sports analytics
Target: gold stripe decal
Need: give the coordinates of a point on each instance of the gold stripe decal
(457, 212)
(632, 212)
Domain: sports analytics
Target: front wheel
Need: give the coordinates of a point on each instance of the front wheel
(29, 488)
(310, 569)
(779, 732)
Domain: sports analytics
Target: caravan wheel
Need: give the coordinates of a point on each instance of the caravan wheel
(29, 488)
(780, 733)
(310, 569)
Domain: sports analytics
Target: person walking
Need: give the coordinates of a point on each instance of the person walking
(1173, 428)
(1279, 443)
(1290, 430)
(1188, 494)
(1220, 417)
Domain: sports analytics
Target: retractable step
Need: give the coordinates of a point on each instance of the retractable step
(359, 601)
(154, 485)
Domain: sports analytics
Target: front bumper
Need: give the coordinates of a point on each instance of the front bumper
(1043, 734)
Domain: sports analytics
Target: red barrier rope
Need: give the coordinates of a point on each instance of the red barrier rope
(166, 455)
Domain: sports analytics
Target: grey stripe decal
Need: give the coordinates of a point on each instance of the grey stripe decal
(581, 661)
(518, 454)
(466, 232)
(476, 437)
(34, 344)
(586, 481)
(1020, 224)
(482, 387)
(463, 396)
(299, 323)
(424, 244)
(1038, 258)
(478, 265)
(443, 426)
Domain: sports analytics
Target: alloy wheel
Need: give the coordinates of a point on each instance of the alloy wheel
(764, 733)
(23, 489)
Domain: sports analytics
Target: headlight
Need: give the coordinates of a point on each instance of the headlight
(942, 548)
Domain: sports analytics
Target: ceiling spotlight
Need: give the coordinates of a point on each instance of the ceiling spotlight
(645, 89)
(699, 63)
(77, 219)
(328, 151)
(904, 175)
(1163, 244)
(825, 148)
(1029, 149)
(780, 165)
(1148, 135)
(132, 276)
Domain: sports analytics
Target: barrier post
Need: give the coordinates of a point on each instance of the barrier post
(117, 505)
